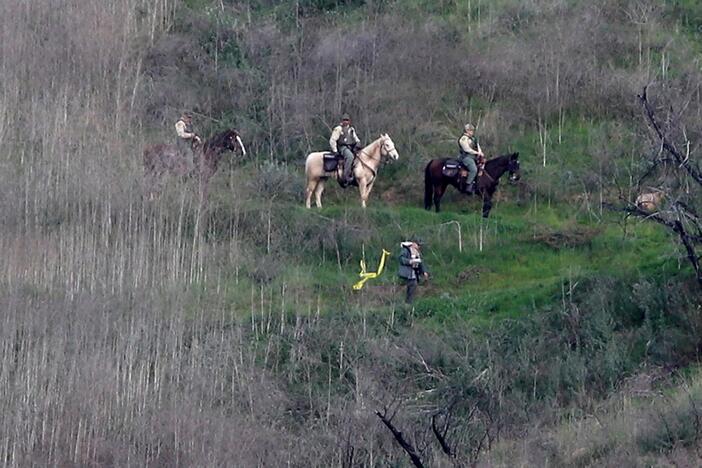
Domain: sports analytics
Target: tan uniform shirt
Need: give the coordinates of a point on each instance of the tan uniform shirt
(182, 130)
(337, 133)
(466, 144)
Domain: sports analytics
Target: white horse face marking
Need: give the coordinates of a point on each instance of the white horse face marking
(241, 145)
(389, 148)
(514, 171)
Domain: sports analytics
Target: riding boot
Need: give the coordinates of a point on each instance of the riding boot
(347, 178)
(464, 187)
(342, 180)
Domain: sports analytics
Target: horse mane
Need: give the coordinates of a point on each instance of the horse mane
(499, 159)
(375, 142)
(218, 140)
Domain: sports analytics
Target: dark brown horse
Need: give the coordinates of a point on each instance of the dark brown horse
(160, 160)
(435, 182)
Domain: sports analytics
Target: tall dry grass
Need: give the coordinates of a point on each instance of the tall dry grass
(106, 356)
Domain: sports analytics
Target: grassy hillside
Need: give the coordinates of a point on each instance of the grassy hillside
(130, 336)
(527, 254)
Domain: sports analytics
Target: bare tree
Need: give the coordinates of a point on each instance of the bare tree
(675, 164)
(400, 438)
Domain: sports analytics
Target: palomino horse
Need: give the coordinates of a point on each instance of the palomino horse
(435, 182)
(162, 159)
(365, 169)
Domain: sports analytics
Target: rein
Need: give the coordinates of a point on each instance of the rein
(362, 152)
(490, 176)
(485, 172)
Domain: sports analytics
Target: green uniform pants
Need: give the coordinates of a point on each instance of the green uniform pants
(411, 290)
(469, 162)
(346, 152)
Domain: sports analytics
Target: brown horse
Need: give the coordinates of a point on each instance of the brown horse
(162, 159)
(435, 182)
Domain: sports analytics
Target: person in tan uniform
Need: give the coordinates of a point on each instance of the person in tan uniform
(470, 154)
(344, 141)
(187, 138)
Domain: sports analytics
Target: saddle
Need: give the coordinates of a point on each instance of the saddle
(331, 161)
(334, 163)
(453, 168)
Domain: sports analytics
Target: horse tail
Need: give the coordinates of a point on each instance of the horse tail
(428, 187)
(307, 166)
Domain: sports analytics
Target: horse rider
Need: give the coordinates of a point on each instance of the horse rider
(187, 138)
(344, 142)
(411, 266)
(470, 154)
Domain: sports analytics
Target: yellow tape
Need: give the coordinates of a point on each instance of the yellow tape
(366, 275)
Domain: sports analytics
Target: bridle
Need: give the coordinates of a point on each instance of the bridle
(513, 169)
(388, 151)
(382, 148)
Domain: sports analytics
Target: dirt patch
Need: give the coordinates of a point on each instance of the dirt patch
(471, 273)
(378, 294)
(570, 236)
(646, 382)
(393, 196)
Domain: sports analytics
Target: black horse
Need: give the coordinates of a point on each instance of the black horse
(435, 182)
(162, 159)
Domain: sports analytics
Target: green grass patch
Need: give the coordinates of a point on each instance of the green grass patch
(510, 265)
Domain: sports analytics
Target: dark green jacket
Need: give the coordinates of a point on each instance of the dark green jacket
(406, 270)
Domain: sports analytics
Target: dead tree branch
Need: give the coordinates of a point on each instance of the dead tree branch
(688, 240)
(441, 435)
(400, 438)
(679, 218)
(682, 160)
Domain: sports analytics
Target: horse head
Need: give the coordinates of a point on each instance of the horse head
(227, 140)
(513, 167)
(388, 147)
(233, 142)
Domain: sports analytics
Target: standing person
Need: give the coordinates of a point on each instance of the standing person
(470, 154)
(411, 266)
(344, 141)
(187, 138)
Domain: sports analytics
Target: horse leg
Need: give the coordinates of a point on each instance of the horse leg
(487, 206)
(318, 193)
(365, 192)
(428, 196)
(202, 211)
(438, 193)
(148, 182)
(428, 188)
(153, 181)
(309, 190)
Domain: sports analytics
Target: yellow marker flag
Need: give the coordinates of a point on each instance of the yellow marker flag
(366, 275)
